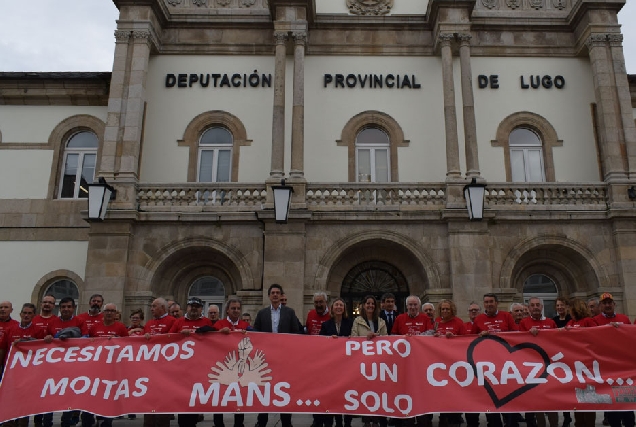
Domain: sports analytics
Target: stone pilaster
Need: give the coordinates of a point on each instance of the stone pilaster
(468, 103)
(450, 113)
(610, 127)
(624, 100)
(624, 232)
(284, 260)
(298, 112)
(278, 120)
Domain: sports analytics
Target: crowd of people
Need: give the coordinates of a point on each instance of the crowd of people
(376, 318)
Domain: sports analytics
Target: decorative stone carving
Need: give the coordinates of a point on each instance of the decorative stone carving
(370, 7)
(280, 37)
(300, 37)
(122, 36)
(559, 4)
(141, 34)
(200, 2)
(223, 3)
(595, 40)
(445, 38)
(536, 4)
(615, 39)
(464, 38)
(248, 3)
(490, 4)
(514, 4)
(174, 2)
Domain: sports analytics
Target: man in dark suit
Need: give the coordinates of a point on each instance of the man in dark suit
(388, 312)
(280, 319)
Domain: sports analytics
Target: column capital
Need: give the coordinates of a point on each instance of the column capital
(445, 39)
(280, 37)
(596, 40)
(615, 39)
(464, 39)
(300, 37)
(122, 36)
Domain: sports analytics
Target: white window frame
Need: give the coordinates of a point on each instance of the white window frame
(81, 152)
(373, 148)
(215, 149)
(525, 150)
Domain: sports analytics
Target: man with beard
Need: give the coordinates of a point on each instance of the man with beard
(94, 315)
(319, 315)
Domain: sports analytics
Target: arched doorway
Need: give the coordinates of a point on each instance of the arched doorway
(210, 290)
(373, 278)
(61, 289)
(541, 286)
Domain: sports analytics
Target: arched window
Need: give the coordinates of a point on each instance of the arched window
(526, 156)
(373, 156)
(61, 289)
(215, 155)
(541, 286)
(210, 290)
(80, 156)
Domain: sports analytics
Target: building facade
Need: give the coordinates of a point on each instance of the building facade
(377, 112)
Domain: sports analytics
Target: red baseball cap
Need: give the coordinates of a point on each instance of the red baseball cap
(606, 295)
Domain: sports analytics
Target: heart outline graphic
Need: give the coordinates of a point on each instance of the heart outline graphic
(511, 349)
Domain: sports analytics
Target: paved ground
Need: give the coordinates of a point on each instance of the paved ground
(299, 420)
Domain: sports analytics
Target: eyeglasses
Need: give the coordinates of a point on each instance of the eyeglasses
(110, 311)
(473, 310)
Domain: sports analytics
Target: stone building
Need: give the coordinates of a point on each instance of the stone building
(377, 112)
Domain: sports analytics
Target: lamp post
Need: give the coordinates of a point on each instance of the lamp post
(282, 201)
(474, 195)
(99, 194)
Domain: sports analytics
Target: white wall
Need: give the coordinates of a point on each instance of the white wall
(23, 264)
(34, 123)
(24, 174)
(568, 110)
(401, 7)
(170, 110)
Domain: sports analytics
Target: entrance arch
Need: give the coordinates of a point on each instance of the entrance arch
(210, 290)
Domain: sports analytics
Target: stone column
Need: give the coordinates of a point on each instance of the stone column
(116, 105)
(136, 98)
(624, 100)
(610, 128)
(278, 121)
(468, 101)
(450, 114)
(298, 112)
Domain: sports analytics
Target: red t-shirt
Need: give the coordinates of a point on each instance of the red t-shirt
(159, 326)
(315, 321)
(407, 325)
(586, 322)
(89, 320)
(528, 323)
(117, 329)
(42, 322)
(469, 328)
(56, 324)
(183, 323)
(454, 326)
(241, 325)
(6, 325)
(130, 328)
(602, 319)
(17, 333)
(502, 321)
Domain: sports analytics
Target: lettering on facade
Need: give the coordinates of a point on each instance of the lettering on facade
(219, 80)
(526, 82)
(371, 81)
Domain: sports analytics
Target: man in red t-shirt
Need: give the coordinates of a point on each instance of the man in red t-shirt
(161, 323)
(493, 321)
(233, 321)
(413, 322)
(6, 322)
(94, 314)
(474, 310)
(24, 330)
(317, 316)
(66, 319)
(192, 320)
(108, 327)
(43, 319)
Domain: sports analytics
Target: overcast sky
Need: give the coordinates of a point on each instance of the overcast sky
(77, 35)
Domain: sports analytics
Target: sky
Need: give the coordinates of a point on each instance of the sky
(77, 35)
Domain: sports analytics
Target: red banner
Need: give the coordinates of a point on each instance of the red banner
(590, 369)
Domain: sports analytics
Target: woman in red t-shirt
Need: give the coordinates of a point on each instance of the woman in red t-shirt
(581, 317)
(136, 326)
(447, 323)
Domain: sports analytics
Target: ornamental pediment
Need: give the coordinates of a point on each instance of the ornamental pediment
(370, 7)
